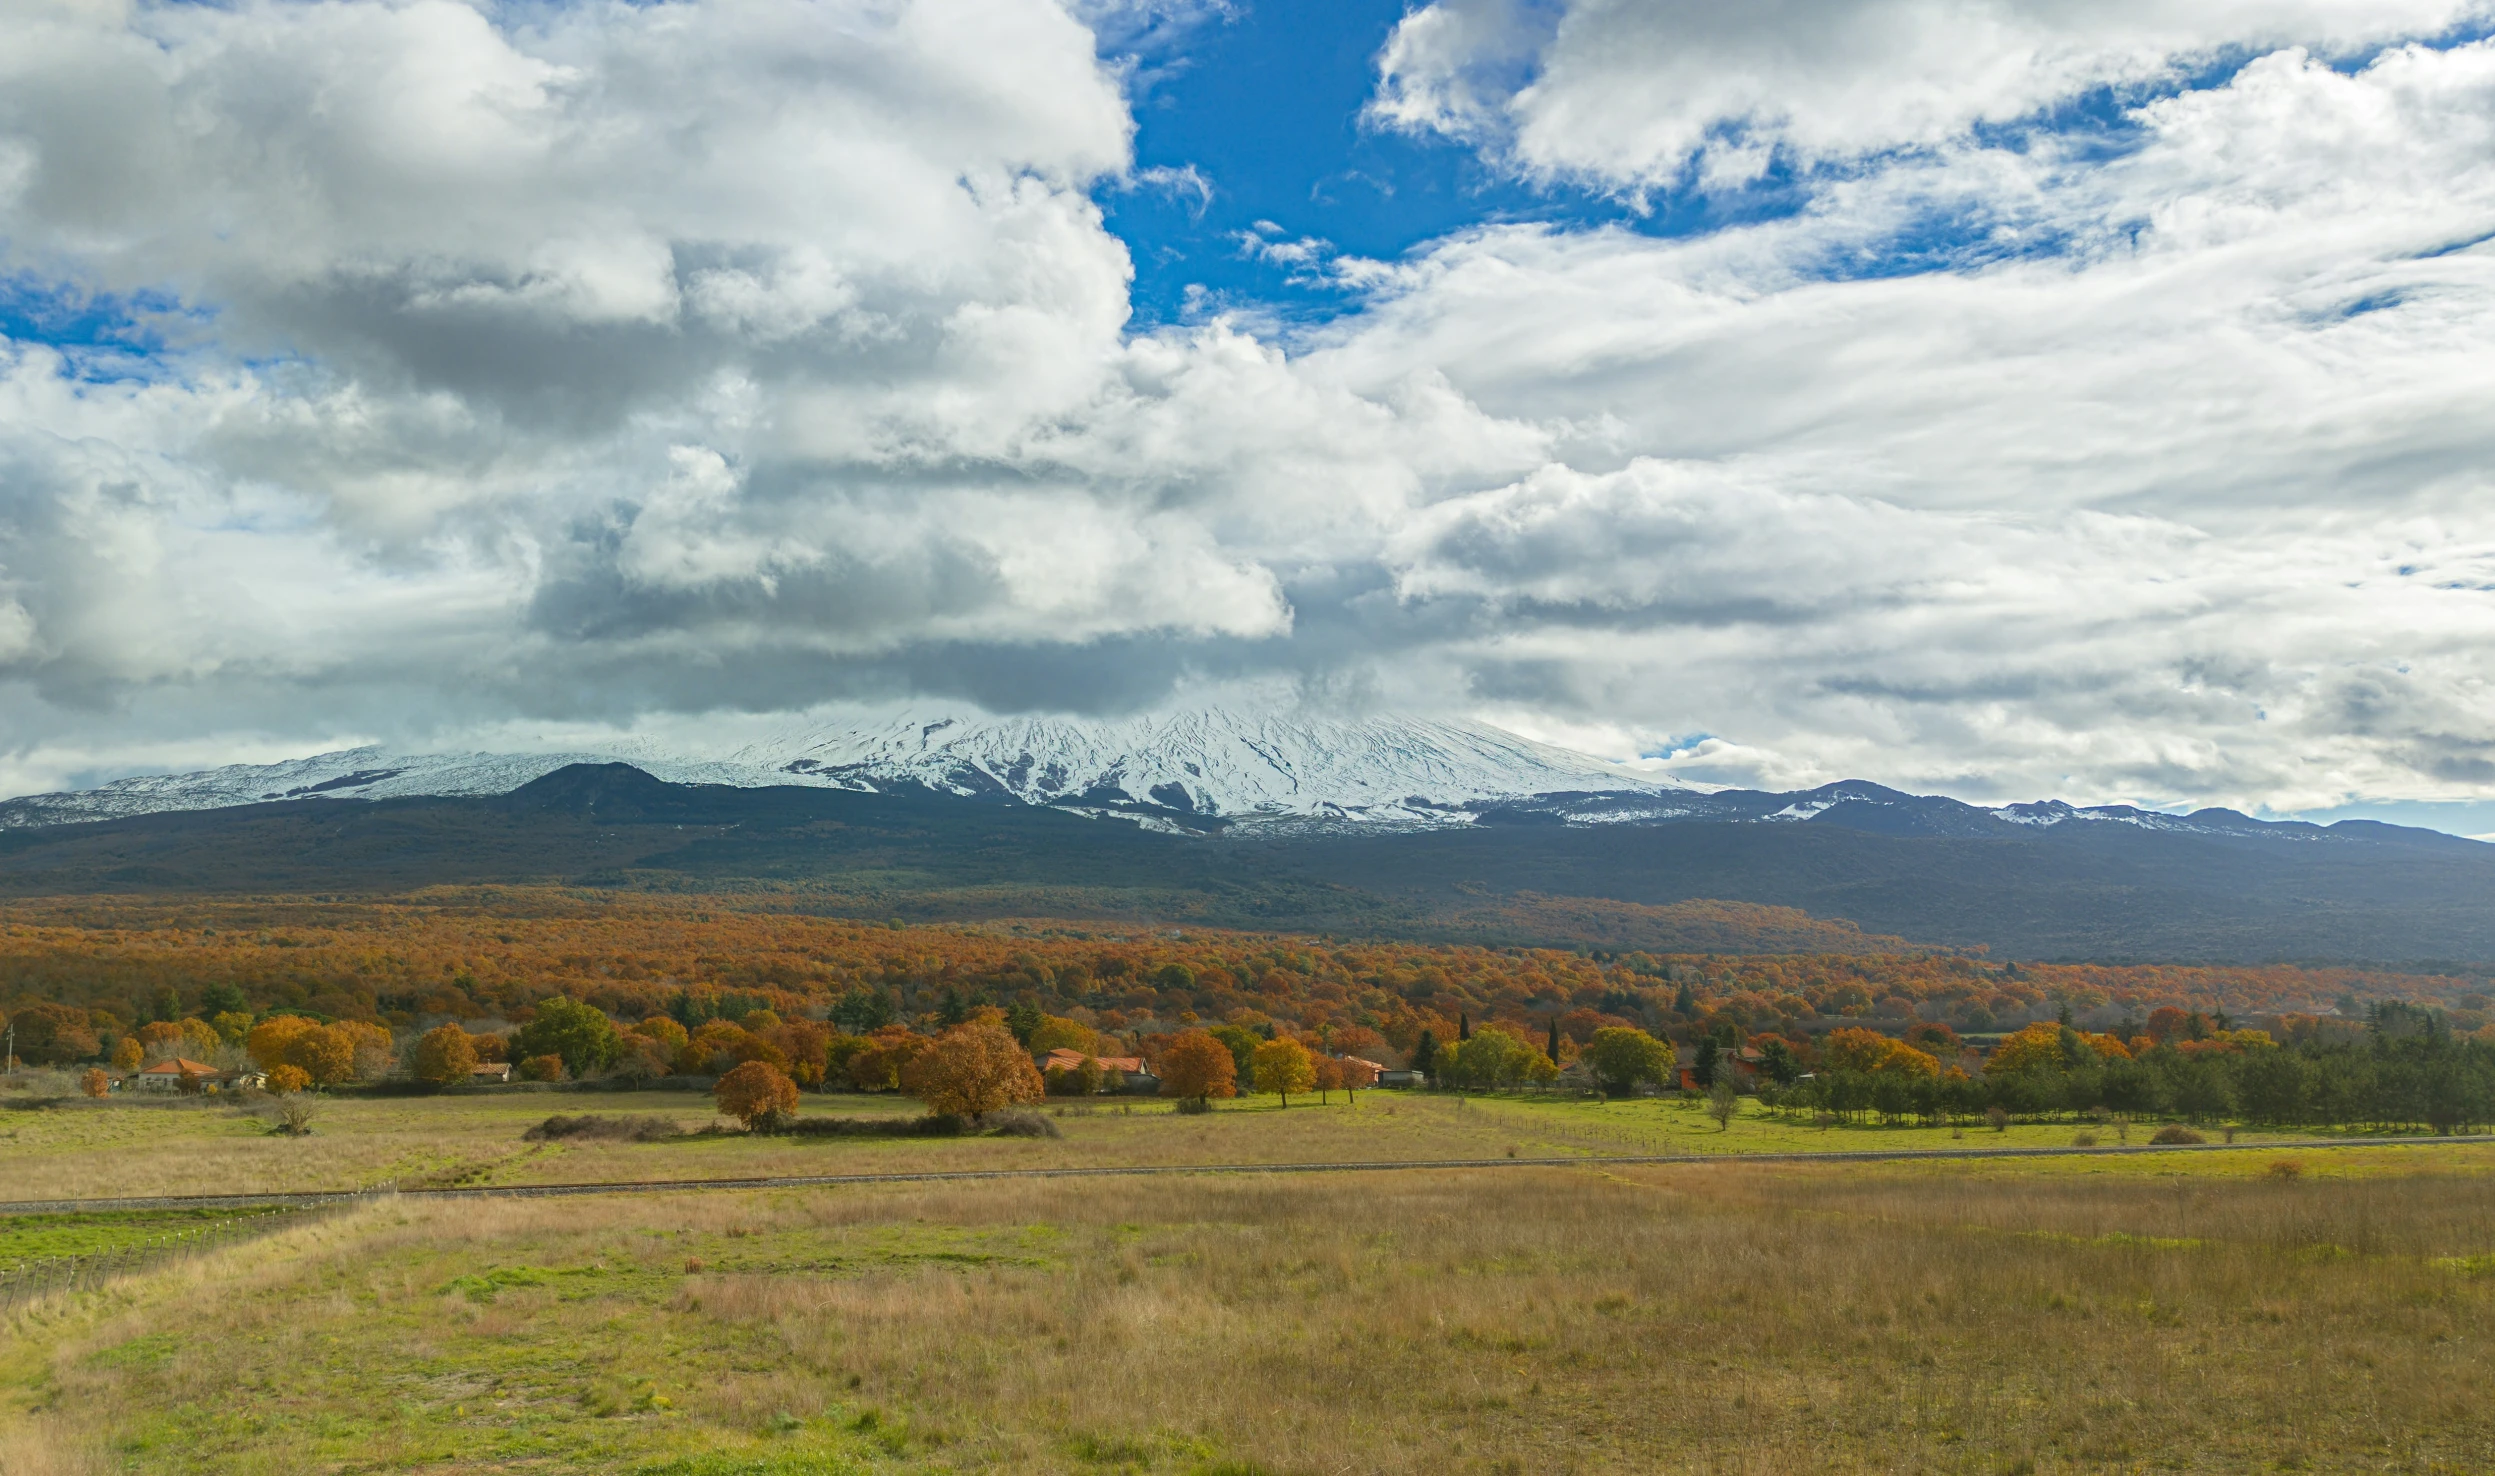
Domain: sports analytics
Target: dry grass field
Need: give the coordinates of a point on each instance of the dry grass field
(2174, 1312)
(79, 1149)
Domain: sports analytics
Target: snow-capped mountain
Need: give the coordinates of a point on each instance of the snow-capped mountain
(1197, 764)
(1237, 768)
(1210, 762)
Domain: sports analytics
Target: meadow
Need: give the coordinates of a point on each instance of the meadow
(1724, 1318)
(2259, 1311)
(77, 1149)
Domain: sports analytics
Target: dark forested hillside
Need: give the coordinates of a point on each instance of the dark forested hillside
(2094, 891)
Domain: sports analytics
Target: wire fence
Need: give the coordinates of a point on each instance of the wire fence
(32, 1279)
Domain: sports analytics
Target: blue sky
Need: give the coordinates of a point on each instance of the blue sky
(1264, 104)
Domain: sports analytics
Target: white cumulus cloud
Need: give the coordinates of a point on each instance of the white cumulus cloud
(610, 364)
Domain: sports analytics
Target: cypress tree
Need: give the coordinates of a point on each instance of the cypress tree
(1463, 1026)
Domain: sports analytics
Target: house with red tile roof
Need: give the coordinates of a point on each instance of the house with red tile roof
(168, 1076)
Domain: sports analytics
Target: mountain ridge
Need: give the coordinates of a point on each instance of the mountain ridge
(1204, 770)
(2107, 892)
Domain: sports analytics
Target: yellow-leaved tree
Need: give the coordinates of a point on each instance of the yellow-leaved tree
(1283, 1066)
(1855, 1049)
(2043, 1045)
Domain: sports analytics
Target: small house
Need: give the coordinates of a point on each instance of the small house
(490, 1071)
(1401, 1080)
(168, 1076)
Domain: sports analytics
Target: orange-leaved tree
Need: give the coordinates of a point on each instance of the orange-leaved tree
(878, 1067)
(271, 1041)
(1856, 1049)
(1283, 1066)
(285, 1079)
(445, 1055)
(757, 1094)
(325, 1053)
(95, 1083)
(1197, 1068)
(974, 1069)
(806, 1044)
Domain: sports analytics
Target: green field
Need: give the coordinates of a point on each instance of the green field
(2260, 1311)
(30, 1241)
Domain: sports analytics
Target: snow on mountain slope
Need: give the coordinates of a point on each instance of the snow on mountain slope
(1209, 762)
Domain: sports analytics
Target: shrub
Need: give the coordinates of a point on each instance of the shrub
(757, 1094)
(1190, 1106)
(542, 1068)
(1723, 1102)
(1999, 1119)
(2083, 1140)
(934, 1125)
(95, 1083)
(287, 1080)
(2285, 1168)
(609, 1129)
(2175, 1132)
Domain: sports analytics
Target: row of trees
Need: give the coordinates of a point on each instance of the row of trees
(979, 1067)
(2396, 1078)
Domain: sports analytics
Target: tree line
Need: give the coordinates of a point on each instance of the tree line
(2407, 1069)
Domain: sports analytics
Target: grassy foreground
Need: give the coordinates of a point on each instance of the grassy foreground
(2245, 1312)
(1717, 1318)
